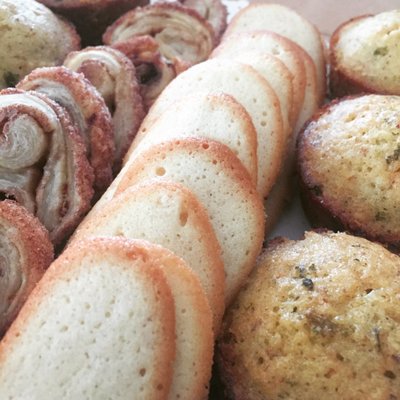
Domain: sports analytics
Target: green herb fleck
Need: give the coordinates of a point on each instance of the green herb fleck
(380, 216)
(376, 331)
(381, 51)
(316, 190)
(10, 78)
(390, 374)
(321, 324)
(301, 271)
(308, 283)
(395, 156)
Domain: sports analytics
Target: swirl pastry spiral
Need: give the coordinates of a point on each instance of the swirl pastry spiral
(88, 112)
(153, 71)
(214, 11)
(162, 40)
(113, 75)
(25, 253)
(43, 165)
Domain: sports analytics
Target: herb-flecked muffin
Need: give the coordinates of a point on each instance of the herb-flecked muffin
(365, 55)
(319, 318)
(31, 36)
(349, 167)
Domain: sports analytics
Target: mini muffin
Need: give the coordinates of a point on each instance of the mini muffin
(349, 166)
(91, 17)
(31, 36)
(365, 55)
(319, 318)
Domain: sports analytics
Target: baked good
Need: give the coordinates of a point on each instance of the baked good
(162, 40)
(31, 36)
(167, 214)
(318, 318)
(113, 75)
(194, 338)
(288, 23)
(43, 165)
(259, 49)
(214, 11)
(182, 34)
(87, 110)
(217, 178)
(100, 324)
(153, 70)
(215, 116)
(364, 55)
(348, 161)
(252, 91)
(91, 17)
(305, 90)
(26, 252)
(278, 76)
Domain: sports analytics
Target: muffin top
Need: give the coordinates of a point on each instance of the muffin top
(318, 319)
(31, 36)
(367, 51)
(349, 160)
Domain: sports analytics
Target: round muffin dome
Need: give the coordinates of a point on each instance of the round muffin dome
(319, 318)
(31, 36)
(365, 55)
(349, 163)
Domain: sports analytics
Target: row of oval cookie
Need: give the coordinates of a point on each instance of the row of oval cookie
(223, 104)
(217, 109)
(298, 75)
(219, 181)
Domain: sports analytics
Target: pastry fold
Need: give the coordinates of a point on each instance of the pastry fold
(91, 18)
(113, 75)
(214, 11)
(162, 40)
(43, 165)
(88, 112)
(25, 253)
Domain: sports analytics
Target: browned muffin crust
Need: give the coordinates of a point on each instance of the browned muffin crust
(364, 54)
(348, 162)
(91, 18)
(341, 84)
(25, 253)
(318, 319)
